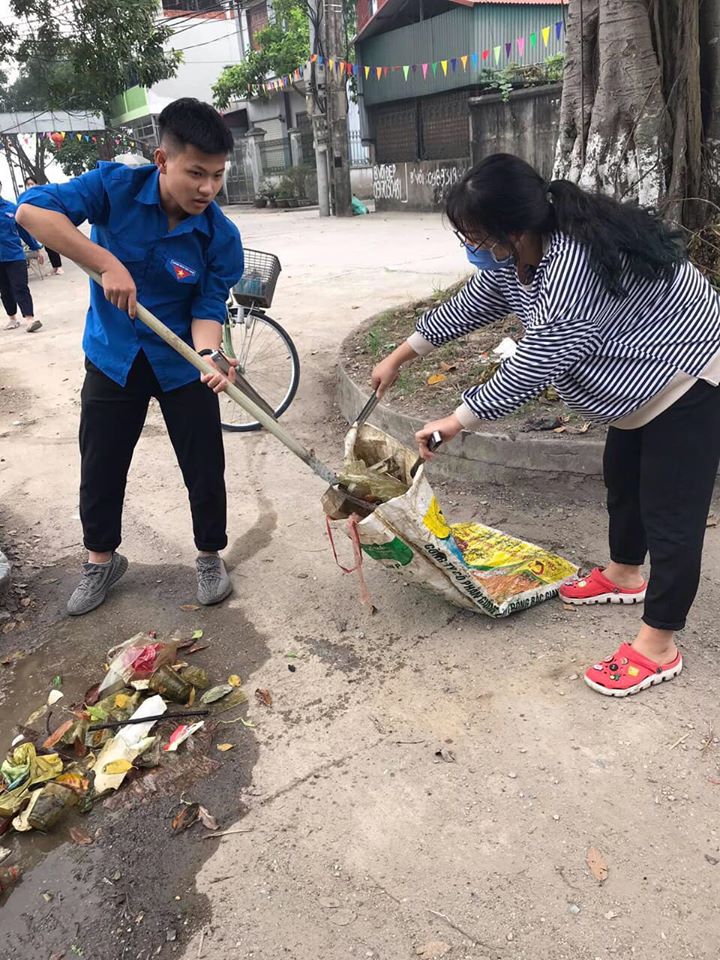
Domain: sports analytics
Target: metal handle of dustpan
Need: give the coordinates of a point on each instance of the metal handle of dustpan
(249, 405)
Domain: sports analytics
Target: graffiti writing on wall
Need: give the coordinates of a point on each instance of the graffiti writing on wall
(423, 184)
(388, 182)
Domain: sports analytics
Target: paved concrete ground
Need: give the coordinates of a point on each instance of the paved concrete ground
(357, 839)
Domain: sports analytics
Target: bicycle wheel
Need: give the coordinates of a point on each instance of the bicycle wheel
(267, 359)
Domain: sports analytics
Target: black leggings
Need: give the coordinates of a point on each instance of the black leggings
(111, 421)
(54, 258)
(14, 289)
(660, 481)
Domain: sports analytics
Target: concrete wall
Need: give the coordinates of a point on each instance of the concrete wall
(361, 180)
(415, 186)
(527, 125)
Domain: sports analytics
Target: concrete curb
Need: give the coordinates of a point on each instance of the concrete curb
(494, 457)
(5, 572)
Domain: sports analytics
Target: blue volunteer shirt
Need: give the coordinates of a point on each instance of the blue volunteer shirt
(12, 235)
(180, 275)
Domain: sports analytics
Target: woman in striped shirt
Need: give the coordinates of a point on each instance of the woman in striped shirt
(628, 332)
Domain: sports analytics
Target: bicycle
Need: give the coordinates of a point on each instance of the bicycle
(265, 352)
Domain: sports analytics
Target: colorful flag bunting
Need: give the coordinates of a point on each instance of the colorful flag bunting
(406, 71)
(521, 46)
(546, 35)
(378, 71)
(497, 51)
(367, 72)
(508, 50)
(463, 61)
(558, 28)
(434, 68)
(444, 65)
(424, 71)
(533, 39)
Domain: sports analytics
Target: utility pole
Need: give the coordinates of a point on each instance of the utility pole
(316, 100)
(336, 87)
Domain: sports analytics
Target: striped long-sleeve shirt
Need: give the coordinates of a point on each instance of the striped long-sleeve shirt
(606, 356)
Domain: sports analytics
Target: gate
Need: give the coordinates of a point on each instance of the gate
(238, 185)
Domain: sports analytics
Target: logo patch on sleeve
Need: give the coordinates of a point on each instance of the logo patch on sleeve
(181, 271)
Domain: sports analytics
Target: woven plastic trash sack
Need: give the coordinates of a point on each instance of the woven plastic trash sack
(469, 564)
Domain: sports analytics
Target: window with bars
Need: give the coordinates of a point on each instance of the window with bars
(425, 128)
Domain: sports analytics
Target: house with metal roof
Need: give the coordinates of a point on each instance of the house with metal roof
(422, 62)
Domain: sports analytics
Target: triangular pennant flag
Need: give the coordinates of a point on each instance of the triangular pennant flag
(508, 50)
(79, 136)
(444, 65)
(378, 71)
(474, 58)
(558, 28)
(331, 63)
(497, 51)
(313, 58)
(463, 61)
(425, 70)
(367, 72)
(533, 39)
(434, 68)
(485, 54)
(521, 45)
(546, 35)
(406, 70)
(349, 69)
(386, 71)
(414, 68)
(453, 64)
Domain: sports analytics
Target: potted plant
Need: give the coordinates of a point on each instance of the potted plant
(269, 191)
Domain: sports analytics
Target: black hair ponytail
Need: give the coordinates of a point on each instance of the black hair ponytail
(503, 195)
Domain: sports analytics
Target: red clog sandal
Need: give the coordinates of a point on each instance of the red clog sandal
(596, 588)
(628, 672)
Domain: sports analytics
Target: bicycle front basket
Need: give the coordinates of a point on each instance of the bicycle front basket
(256, 287)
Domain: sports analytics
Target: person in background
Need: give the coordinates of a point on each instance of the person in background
(53, 256)
(159, 238)
(628, 331)
(14, 289)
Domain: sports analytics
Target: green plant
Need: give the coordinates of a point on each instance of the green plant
(286, 188)
(281, 47)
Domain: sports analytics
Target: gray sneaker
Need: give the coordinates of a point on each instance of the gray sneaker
(96, 581)
(213, 580)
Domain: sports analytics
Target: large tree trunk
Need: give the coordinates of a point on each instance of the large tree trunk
(633, 118)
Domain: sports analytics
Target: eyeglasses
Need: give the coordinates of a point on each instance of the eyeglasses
(473, 248)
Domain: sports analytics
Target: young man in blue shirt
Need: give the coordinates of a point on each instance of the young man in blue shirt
(14, 289)
(159, 238)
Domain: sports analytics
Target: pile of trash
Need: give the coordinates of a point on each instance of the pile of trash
(147, 705)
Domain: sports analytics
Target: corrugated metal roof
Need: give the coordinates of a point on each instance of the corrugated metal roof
(531, 3)
(369, 22)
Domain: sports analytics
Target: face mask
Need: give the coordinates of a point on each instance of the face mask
(485, 259)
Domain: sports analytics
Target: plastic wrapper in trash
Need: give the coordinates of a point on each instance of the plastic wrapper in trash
(21, 770)
(136, 659)
(380, 473)
(9, 876)
(469, 564)
(128, 743)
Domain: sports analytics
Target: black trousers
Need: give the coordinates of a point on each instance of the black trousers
(660, 481)
(111, 420)
(14, 289)
(54, 258)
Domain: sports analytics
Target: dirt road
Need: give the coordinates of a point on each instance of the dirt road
(357, 839)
